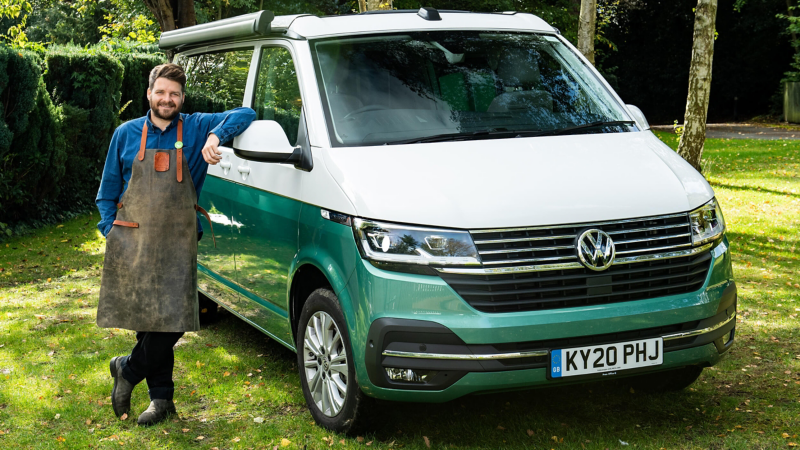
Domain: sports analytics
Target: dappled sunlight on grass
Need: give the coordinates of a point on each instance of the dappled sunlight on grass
(54, 359)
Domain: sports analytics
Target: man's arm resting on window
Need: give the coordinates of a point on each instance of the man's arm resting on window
(229, 124)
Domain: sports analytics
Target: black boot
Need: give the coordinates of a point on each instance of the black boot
(158, 410)
(121, 392)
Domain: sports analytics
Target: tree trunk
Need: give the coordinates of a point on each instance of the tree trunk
(172, 14)
(374, 5)
(586, 28)
(791, 14)
(694, 127)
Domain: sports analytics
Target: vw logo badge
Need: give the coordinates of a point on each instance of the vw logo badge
(596, 249)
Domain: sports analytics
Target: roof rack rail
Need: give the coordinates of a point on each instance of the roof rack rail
(401, 11)
(248, 25)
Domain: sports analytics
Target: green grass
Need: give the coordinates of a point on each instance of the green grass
(54, 382)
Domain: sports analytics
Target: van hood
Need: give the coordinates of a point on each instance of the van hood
(518, 182)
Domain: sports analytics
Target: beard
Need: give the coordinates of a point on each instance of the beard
(156, 106)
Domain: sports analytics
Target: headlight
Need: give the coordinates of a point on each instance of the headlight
(394, 243)
(707, 222)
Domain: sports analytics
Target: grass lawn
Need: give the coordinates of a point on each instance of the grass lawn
(235, 388)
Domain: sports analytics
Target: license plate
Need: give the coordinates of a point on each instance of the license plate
(598, 359)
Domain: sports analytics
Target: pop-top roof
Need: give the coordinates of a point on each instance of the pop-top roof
(308, 26)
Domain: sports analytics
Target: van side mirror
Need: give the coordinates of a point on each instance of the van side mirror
(638, 116)
(265, 141)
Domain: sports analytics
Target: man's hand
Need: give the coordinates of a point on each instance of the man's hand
(211, 153)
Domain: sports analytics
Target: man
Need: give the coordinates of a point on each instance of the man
(148, 214)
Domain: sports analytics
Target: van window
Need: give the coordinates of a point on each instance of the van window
(394, 88)
(215, 82)
(277, 94)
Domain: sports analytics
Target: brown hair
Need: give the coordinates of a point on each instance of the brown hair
(169, 71)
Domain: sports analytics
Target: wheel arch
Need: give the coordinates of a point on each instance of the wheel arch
(305, 280)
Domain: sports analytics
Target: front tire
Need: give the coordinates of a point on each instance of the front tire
(208, 309)
(325, 363)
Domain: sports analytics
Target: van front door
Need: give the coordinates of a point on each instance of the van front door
(266, 203)
(216, 82)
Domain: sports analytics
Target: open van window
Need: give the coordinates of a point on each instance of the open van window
(384, 89)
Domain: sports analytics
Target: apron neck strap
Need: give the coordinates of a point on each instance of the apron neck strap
(143, 143)
(180, 131)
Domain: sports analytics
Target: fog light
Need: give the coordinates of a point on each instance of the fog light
(727, 338)
(414, 376)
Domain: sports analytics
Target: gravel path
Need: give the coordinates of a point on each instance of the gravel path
(742, 131)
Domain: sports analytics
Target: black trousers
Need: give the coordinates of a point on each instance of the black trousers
(152, 359)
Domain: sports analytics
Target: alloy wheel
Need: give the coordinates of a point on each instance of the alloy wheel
(325, 361)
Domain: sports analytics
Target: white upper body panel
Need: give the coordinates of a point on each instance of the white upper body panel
(518, 182)
(476, 184)
(315, 27)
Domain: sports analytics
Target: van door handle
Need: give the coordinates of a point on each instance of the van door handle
(226, 166)
(244, 170)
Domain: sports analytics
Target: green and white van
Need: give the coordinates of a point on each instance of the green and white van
(438, 203)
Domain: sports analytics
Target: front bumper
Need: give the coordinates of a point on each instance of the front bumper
(418, 322)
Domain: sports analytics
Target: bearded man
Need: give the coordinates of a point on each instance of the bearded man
(153, 175)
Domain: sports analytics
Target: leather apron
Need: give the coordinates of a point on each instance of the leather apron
(149, 278)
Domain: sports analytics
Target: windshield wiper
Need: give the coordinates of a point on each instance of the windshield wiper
(489, 134)
(584, 126)
(485, 134)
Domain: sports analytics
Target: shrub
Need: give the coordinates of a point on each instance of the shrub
(32, 152)
(134, 82)
(87, 85)
(202, 102)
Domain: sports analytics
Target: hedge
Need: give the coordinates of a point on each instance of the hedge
(32, 151)
(134, 82)
(87, 84)
(58, 112)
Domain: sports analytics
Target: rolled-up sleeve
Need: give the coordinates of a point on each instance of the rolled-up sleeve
(229, 124)
(111, 186)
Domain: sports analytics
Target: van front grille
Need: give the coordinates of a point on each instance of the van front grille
(537, 268)
(548, 245)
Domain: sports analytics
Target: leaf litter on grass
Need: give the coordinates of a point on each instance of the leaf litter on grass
(756, 183)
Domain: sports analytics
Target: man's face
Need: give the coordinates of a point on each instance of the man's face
(166, 98)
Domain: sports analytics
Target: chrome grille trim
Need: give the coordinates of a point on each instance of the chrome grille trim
(575, 265)
(506, 270)
(537, 353)
(587, 224)
(529, 260)
(640, 230)
(657, 238)
(652, 249)
(686, 334)
(527, 239)
(676, 254)
(468, 357)
(525, 249)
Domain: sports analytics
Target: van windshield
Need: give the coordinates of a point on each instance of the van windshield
(446, 85)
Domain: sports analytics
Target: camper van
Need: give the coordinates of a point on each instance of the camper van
(433, 204)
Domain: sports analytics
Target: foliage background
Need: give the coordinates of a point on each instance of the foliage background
(86, 63)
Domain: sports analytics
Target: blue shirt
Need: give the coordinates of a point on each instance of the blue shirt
(128, 136)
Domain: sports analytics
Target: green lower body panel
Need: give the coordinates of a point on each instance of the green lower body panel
(399, 320)
(487, 382)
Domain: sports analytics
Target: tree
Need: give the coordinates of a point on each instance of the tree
(586, 28)
(172, 14)
(373, 5)
(694, 132)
